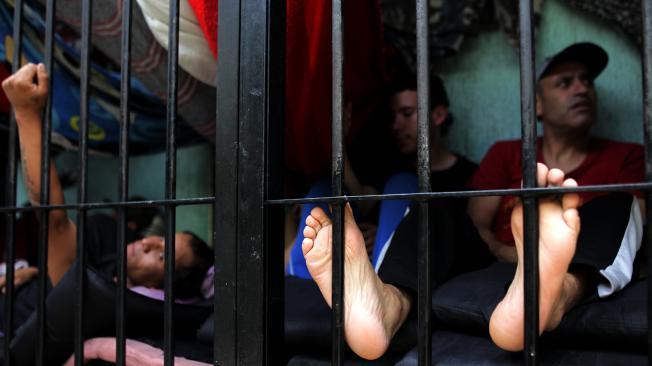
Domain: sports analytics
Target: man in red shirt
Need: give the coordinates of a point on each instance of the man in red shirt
(602, 262)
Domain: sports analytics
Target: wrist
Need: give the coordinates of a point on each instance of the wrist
(27, 114)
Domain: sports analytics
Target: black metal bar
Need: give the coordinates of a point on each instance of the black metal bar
(251, 183)
(529, 192)
(170, 179)
(274, 170)
(87, 6)
(646, 14)
(337, 171)
(45, 189)
(11, 191)
(530, 205)
(123, 184)
(226, 187)
(423, 166)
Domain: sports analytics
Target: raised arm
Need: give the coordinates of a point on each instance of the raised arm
(482, 211)
(27, 91)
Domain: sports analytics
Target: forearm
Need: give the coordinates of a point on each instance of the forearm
(500, 250)
(30, 133)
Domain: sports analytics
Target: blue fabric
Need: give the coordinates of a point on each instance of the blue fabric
(392, 212)
(297, 264)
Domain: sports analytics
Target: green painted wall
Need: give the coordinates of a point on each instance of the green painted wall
(147, 179)
(483, 80)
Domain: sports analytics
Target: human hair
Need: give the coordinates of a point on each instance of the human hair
(437, 96)
(188, 280)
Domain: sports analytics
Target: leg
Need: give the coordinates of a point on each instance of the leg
(559, 226)
(391, 213)
(373, 310)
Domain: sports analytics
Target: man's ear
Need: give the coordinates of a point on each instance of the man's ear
(438, 115)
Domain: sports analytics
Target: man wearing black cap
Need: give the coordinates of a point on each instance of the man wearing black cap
(601, 262)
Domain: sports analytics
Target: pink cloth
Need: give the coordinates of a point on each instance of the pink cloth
(137, 353)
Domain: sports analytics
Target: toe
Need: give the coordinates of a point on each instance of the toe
(318, 214)
(309, 232)
(542, 175)
(313, 223)
(555, 177)
(307, 245)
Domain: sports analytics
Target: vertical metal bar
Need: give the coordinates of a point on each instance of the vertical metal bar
(530, 206)
(123, 184)
(646, 12)
(45, 188)
(170, 179)
(11, 190)
(337, 171)
(423, 164)
(226, 186)
(251, 183)
(274, 215)
(86, 20)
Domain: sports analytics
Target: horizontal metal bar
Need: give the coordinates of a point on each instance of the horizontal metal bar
(525, 192)
(100, 205)
(533, 192)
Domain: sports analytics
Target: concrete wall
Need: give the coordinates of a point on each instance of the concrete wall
(147, 179)
(483, 80)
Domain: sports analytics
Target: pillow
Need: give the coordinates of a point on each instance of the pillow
(467, 301)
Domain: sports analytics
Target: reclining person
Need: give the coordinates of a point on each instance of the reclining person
(27, 91)
(375, 308)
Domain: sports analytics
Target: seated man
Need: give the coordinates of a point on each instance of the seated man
(449, 171)
(566, 107)
(27, 91)
(374, 308)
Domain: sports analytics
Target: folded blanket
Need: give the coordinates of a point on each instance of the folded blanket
(137, 353)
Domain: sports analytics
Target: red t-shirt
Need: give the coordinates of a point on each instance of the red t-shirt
(607, 162)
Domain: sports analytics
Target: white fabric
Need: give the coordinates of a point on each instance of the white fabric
(195, 56)
(619, 273)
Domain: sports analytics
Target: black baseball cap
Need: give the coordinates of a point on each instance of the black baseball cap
(590, 54)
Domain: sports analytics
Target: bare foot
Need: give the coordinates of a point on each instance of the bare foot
(373, 311)
(559, 225)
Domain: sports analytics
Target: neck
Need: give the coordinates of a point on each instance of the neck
(440, 157)
(564, 151)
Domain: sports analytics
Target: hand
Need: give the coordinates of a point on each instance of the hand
(369, 234)
(21, 277)
(26, 95)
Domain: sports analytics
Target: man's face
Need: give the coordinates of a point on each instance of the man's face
(404, 127)
(566, 97)
(146, 259)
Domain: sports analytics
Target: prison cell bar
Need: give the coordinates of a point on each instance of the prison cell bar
(646, 15)
(11, 191)
(225, 211)
(171, 180)
(252, 118)
(50, 12)
(423, 169)
(274, 169)
(80, 274)
(123, 184)
(529, 166)
(337, 164)
(535, 192)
